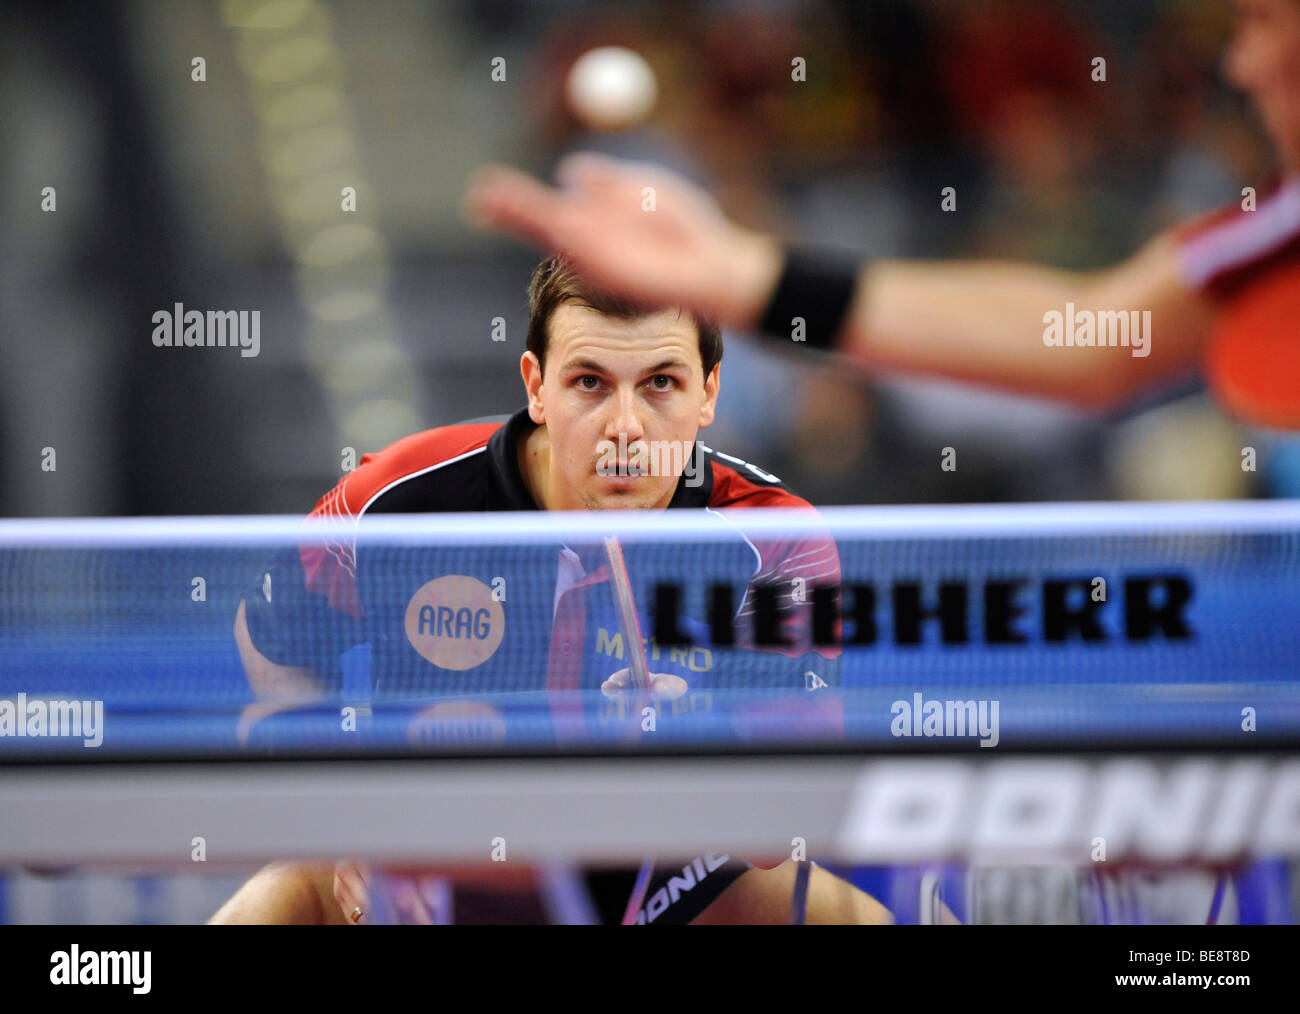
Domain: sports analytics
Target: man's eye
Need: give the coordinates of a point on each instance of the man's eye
(588, 382)
(662, 382)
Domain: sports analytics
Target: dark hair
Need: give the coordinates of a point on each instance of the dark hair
(555, 281)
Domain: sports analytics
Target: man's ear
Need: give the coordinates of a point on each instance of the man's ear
(711, 383)
(531, 370)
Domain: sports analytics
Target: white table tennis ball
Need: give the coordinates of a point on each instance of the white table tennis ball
(611, 88)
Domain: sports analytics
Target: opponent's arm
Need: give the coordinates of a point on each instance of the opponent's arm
(983, 322)
(977, 321)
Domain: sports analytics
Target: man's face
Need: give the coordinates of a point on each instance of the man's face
(1263, 60)
(622, 402)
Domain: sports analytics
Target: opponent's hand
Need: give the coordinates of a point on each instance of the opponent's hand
(664, 685)
(683, 252)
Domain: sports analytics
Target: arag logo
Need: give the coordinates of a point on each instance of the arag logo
(454, 622)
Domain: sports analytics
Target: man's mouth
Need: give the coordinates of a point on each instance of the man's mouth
(622, 476)
(622, 470)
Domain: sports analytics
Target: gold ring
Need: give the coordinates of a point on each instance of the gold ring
(356, 914)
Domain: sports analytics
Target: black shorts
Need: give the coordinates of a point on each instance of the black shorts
(676, 894)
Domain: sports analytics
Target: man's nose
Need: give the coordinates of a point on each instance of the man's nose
(624, 416)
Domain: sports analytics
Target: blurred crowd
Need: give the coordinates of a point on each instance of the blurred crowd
(168, 193)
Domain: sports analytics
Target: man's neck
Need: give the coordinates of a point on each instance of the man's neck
(534, 456)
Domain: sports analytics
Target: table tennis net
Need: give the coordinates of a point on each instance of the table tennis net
(871, 625)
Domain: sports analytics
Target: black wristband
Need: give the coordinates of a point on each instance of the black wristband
(816, 287)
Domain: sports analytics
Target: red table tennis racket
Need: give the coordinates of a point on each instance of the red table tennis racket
(1252, 362)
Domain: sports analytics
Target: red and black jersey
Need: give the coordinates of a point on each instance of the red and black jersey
(1227, 251)
(1249, 261)
(327, 591)
(556, 628)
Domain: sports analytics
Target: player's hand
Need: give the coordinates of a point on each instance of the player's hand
(351, 891)
(683, 252)
(664, 685)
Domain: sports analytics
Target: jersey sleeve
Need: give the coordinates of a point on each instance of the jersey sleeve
(774, 623)
(305, 608)
(302, 609)
(291, 624)
(776, 650)
(1223, 251)
(777, 645)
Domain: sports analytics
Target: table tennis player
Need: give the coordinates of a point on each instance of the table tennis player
(598, 373)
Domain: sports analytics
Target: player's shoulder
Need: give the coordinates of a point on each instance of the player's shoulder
(441, 453)
(738, 484)
(1223, 249)
(433, 448)
(807, 551)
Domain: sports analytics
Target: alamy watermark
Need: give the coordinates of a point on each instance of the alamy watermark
(656, 458)
(666, 458)
(919, 717)
(75, 967)
(39, 717)
(1130, 329)
(179, 327)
